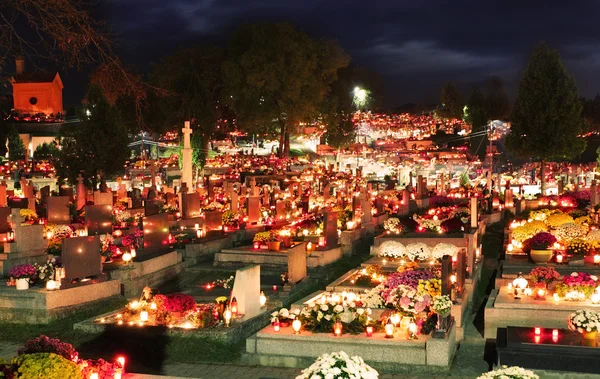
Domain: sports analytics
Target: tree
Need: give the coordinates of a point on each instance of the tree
(498, 105)
(475, 113)
(47, 151)
(275, 76)
(16, 147)
(546, 118)
(452, 106)
(97, 147)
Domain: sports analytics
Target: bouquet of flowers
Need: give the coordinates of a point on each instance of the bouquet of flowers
(409, 278)
(544, 274)
(584, 321)
(372, 298)
(557, 219)
(24, 271)
(578, 248)
(442, 249)
(578, 278)
(431, 287)
(225, 283)
(212, 207)
(408, 301)
(509, 373)
(262, 237)
(319, 318)
(178, 302)
(124, 216)
(542, 241)
(338, 366)
(418, 251)
(392, 250)
(441, 305)
(230, 218)
(284, 315)
(28, 215)
(578, 283)
(46, 271)
(393, 225)
(408, 267)
(570, 231)
(58, 232)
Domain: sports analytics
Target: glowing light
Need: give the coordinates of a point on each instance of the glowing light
(296, 325)
(262, 299)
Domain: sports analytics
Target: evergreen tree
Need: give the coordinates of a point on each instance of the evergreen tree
(475, 113)
(16, 147)
(547, 117)
(97, 147)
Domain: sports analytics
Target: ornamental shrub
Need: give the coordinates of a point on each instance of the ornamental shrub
(47, 366)
(44, 344)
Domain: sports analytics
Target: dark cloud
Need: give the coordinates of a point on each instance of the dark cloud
(415, 45)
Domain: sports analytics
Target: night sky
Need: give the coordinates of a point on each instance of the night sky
(415, 46)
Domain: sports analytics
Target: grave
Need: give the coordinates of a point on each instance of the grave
(330, 229)
(560, 351)
(29, 245)
(81, 261)
(296, 264)
(247, 254)
(253, 209)
(58, 211)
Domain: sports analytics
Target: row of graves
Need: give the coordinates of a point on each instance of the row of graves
(405, 305)
(544, 310)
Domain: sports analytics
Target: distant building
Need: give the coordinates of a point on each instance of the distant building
(37, 112)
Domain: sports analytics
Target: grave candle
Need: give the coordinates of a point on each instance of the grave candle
(262, 299)
(94, 375)
(597, 259)
(369, 331)
(538, 331)
(276, 325)
(121, 360)
(337, 328)
(559, 258)
(144, 316)
(389, 329)
(296, 325)
(227, 317)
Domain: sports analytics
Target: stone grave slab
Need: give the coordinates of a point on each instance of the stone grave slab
(213, 220)
(190, 205)
(58, 210)
(103, 198)
(246, 290)
(296, 263)
(98, 219)
(156, 236)
(330, 229)
(253, 209)
(81, 258)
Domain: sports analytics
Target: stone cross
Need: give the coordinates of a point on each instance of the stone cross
(186, 171)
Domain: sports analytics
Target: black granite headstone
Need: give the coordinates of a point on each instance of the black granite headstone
(156, 236)
(81, 257)
(58, 210)
(191, 205)
(98, 219)
(330, 229)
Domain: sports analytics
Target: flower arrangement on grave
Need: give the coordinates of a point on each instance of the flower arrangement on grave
(452, 225)
(230, 218)
(442, 249)
(440, 201)
(430, 224)
(24, 271)
(513, 372)
(29, 216)
(338, 366)
(593, 238)
(406, 278)
(577, 286)
(584, 220)
(408, 301)
(578, 248)
(203, 316)
(46, 271)
(343, 216)
(431, 287)
(57, 232)
(51, 365)
(544, 274)
(44, 344)
(319, 318)
(441, 305)
(418, 251)
(274, 236)
(285, 316)
(393, 225)
(541, 241)
(392, 250)
(124, 217)
(557, 219)
(214, 206)
(570, 231)
(132, 240)
(104, 369)
(262, 237)
(372, 298)
(584, 321)
(373, 270)
(541, 214)
(167, 208)
(225, 283)
(408, 266)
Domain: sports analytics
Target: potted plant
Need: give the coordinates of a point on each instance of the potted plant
(585, 322)
(22, 274)
(544, 275)
(540, 247)
(274, 241)
(577, 249)
(260, 239)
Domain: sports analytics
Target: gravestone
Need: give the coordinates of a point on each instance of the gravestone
(474, 215)
(103, 198)
(296, 263)
(191, 205)
(508, 198)
(152, 207)
(235, 206)
(4, 216)
(122, 190)
(29, 239)
(253, 209)
(156, 236)
(213, 220)
(136, 198)
(81, 193)
(367, 217)
(280, 210)
(3, 194)
(44, 194)
(330, 229)
(98, 219)
(81, 258)
(356, 208)
(246, 290)
(58, 210)
(66, 191)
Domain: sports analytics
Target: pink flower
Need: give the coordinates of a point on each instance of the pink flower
(405, 301)
(419, 306)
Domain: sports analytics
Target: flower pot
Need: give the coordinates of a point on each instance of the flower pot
(589, 335)
(22, 283)
(274, 245)
(540, 256)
